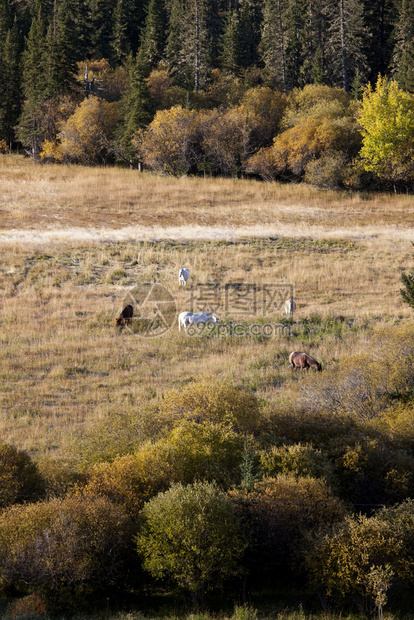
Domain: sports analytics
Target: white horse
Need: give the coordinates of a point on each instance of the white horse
(190, 318)
(183, 276)
(290, 307)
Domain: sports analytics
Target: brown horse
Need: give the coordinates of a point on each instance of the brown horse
(125, 317)
(303, 360)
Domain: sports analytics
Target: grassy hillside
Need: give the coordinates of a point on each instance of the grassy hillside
(75, 390)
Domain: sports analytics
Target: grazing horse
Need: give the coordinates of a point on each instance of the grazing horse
(290, 307)
(303, 360)
(125, 316)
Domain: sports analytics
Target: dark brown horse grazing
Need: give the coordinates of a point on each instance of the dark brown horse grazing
(303, 360)
(125, 317)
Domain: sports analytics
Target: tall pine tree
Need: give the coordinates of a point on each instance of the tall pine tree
(138, 111)
(346, 43)
(154, 35)
(230, 52)
(35, 85)
(273, 43)
(10, 87)
(403, 57)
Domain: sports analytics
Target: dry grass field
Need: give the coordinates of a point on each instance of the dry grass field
(75, 240)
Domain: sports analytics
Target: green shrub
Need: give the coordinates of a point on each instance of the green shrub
(191, 535)
(20, 479)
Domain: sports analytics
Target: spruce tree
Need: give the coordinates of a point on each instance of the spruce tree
(189, 43)
(138, 112)
(102, 12)
(403, 56)
(35, 85)
(250, 22)
(10, 87)
(61, 53)
(296, 38)
(153, 39)
(347, 35)
(273, 43)
(380, 18)
(174, 38)
(229, 43)
(120, 41)
(5, 20)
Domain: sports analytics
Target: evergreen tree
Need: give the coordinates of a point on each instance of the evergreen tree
(250, 21)
(174, 42)
(189, 43)
(34, 85)
(347, 34)
(10, 101)
(5, 20)
(138, 112)
(120, 41)
(296, 37)
(403, 57)
(102, 12)
(229, 43)
(273, 43)
(61, 52)
(154, 34)
(313, 68)
(380, 19)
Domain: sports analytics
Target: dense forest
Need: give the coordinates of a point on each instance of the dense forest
(91, 81)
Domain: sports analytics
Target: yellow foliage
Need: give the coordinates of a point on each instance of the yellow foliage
(214, 400)
(166, 143)
(131, 480)
(87, 132)
(51, 151)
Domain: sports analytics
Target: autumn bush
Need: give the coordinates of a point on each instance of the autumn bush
(63, 546)
(130, 480)
(216, 400)
(300, 460)
(319, 134)
(190, 452)
(32, 606)
(280, 511)
(349, 560)
(167, 144)
(329, 170)
(192, 536)
(86, 135)
(20, 480)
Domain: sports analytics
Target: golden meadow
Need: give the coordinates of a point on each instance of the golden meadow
(74, 240)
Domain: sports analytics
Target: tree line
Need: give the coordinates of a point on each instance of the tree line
(221, 62)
